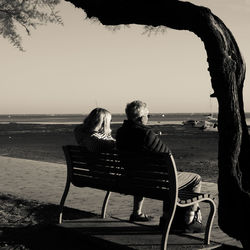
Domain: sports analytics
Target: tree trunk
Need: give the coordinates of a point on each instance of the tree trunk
(227, 71)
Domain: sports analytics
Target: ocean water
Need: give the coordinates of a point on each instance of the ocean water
(161, 118)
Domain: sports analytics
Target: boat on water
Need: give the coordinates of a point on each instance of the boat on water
(191, 123)
(210, 126)
(209, 123)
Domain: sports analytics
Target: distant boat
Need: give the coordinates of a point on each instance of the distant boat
(210, 123)
(211, 118)
(210, 126)
(190, 123)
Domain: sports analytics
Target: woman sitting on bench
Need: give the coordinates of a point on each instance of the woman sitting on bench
(95, 133)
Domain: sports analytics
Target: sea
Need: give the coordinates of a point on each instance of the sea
(155, 118)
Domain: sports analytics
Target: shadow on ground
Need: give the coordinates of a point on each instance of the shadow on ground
(29, 225)
(227, 247)
(51, 237)
(43, 233)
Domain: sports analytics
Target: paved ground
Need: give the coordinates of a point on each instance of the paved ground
(44, 182)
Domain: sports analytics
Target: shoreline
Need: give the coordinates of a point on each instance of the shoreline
(151, 123)
(194, 150)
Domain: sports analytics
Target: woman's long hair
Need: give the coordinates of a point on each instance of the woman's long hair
(98, 117)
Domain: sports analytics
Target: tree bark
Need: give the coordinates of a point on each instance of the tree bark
(227, 71)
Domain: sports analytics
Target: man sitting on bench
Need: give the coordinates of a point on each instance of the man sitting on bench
(134, 135)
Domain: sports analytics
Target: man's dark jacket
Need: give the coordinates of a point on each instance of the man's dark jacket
(133, 136)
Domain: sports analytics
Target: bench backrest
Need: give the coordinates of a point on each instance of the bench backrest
(151, 175)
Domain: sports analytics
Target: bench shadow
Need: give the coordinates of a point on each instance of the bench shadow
(228, 247)
(46, 234)
(52, 237)
(49, 214)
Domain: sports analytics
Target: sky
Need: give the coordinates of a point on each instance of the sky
(81, 65)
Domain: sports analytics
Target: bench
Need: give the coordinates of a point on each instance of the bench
(149, 175)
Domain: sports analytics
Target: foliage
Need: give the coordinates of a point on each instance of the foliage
(27, 14)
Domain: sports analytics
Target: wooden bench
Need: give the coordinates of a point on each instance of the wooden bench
(149, 175)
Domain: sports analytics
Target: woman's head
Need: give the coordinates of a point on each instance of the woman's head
(98, 120)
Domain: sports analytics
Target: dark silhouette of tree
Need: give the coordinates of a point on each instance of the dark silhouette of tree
(227, 71)
(27, 14)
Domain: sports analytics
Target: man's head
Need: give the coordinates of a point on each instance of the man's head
(137, 111)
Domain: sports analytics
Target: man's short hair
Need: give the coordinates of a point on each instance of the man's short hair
(136, 109)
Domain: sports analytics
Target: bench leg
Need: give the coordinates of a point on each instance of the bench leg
(105, 203)
(65, 193)
(209, 221)
(169, 216)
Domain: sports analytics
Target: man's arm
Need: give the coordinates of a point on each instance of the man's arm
(153, 143)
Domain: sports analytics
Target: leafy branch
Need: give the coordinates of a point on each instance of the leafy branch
(27, 14)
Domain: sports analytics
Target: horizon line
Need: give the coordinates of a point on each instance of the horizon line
(71, 114)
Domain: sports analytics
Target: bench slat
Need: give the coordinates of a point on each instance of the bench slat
(98, 167)
(148, 182)
(118, 169)
(135, 182)
(103, 161)
(146, 167)
(140, 176)
(186, 197)
(94, 154)
(140, 166)
(150, 174)
(103, 174)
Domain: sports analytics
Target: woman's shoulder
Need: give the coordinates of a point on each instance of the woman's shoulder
(102, 136)
(98, 135)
